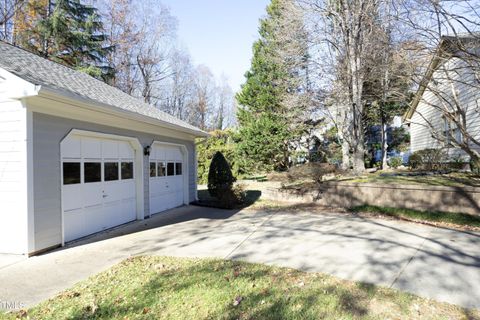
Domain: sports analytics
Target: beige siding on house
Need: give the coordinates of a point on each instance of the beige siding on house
(467, 89)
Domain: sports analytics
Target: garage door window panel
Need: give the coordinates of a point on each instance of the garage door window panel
(161, 169)
(127, 170)
(92, 172)
(153, 169)
(171, 169)
(111, 171)
(71, 173)
(178, 169)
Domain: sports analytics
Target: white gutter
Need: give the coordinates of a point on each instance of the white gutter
(93, 105)
(19, 89)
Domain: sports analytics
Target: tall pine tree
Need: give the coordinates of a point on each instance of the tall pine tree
(268, 115)
(65, 31)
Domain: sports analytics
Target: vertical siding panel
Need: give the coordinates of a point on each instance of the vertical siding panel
(13, 176)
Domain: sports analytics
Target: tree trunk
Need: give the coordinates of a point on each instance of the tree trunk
(359, 159)
(384, 141)
(45, 40)
(345, 155)
(357, 110)
(5, 27)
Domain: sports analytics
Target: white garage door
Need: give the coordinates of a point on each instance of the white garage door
(98, 185)
(166, 178)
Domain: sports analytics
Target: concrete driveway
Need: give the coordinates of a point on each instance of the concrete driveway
(432, 262)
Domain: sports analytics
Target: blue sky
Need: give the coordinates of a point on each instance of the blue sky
(219, 33)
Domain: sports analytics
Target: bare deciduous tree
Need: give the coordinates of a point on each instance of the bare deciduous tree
(346, 30)
(8, 9)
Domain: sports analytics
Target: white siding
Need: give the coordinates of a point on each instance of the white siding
(13, 176)
(469, 96)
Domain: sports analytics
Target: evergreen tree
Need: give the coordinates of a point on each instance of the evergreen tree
(65, 31)
(269, 111)
(220, 177)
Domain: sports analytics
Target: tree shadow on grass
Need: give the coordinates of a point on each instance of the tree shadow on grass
(277, 298)
(208, 289)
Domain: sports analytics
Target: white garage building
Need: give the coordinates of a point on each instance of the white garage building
(78, 156)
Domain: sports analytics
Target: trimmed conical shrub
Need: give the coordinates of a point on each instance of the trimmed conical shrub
(220, 177)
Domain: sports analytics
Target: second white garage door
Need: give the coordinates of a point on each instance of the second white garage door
(166, 177)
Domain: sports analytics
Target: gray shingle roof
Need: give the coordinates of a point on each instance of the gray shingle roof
(43, 72)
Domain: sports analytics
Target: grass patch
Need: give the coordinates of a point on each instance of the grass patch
(176, 288)
(460, 219)
(447, 180)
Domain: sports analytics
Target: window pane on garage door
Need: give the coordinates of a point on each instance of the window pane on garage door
(71, 173)
(171, 169)
(111, 171)
(127, 170)
(92, 172)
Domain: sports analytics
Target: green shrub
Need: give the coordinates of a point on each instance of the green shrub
(219, 140)
(428, 159)
(395, 162)
(311, 170)
(415, 161)
(475, 167)
(457, 163)
(220, 177)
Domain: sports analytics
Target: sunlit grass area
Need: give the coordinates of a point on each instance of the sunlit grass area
(177, 288)
(460, 219)
(450, 180)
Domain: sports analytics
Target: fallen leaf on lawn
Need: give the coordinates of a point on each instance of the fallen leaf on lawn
(227, 278)
(160, 266)
(237, 301)
(22, 314)
(118, 300)
(146, 310)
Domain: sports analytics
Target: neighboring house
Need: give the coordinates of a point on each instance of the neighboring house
(78, 156)
(397, 138)
(445, 111)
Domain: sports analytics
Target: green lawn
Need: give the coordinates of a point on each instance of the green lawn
(174, 288)
(449, 180)
(459, 219)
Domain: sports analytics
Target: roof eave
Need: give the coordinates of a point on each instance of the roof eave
(49, 92)
(441, 51)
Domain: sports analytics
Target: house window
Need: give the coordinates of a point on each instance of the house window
(110, 171)
(161, 169)
(451, 131)
(171, 169)
(178, 168)
(153, 169)
(92, 172)
(127, 170)
(71, 173)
